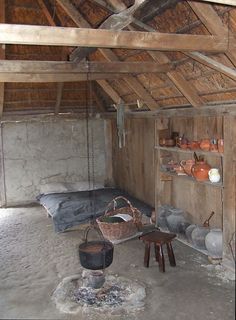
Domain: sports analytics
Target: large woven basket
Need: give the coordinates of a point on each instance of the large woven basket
(120, 230)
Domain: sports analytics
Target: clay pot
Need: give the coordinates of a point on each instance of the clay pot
(200, 171)
(214, 243)
(198, 236)
(175, 220)
(187, 166)
(170, 143)
(194, 145)
(205, 144)
(189, 230)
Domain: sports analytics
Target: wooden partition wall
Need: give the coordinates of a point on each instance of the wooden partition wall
(136, 168)
(133, 165)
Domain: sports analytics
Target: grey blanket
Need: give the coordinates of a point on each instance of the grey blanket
(74, 208)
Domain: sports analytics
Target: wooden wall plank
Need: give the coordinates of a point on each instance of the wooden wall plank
(229, 186)
(133, 165)
(2, 56)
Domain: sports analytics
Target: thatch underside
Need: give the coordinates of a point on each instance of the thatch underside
(191, 82)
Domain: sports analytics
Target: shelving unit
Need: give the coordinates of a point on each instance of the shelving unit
(198, 198)
(187, 151)
(186, 177)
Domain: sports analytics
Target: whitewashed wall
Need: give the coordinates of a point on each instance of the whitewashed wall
(35, 153)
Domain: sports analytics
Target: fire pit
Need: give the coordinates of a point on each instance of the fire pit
(118, 295)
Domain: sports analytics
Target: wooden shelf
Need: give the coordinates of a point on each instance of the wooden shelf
(198, 151)
(172, 174)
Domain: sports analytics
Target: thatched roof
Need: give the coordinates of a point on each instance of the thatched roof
(195, 72)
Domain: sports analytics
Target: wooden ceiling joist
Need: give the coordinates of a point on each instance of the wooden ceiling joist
(56, 77)
(109, 55)
(22, 66)
(59, 36)
(117, 21)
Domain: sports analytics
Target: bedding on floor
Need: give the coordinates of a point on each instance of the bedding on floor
(73, 208)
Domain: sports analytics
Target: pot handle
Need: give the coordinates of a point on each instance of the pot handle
(182, 164)
(192, 171)
(86, 231)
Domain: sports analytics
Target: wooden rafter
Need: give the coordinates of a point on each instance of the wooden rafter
(213, 23)
(179, 81)
(109, 55)
(22, 66)
(211, 63)
(2, 56)
(110, 91)
(75, 16)
(117, 21)
(58, 36)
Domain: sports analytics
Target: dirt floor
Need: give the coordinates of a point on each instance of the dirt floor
(34, 260)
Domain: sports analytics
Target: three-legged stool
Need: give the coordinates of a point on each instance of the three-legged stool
(158, 238)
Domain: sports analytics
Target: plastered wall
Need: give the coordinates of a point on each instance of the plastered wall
(34, 153)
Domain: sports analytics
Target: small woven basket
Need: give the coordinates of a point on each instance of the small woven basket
(120, 230)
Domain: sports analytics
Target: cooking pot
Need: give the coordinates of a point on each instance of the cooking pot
(95, 255)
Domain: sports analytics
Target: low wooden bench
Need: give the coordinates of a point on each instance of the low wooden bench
(159, 238)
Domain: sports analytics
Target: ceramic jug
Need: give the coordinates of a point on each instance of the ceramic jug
(214, 175)
(200, 171)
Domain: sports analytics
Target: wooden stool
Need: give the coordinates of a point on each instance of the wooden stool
(158, 238)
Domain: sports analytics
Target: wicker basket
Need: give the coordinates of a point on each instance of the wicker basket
(120, 230)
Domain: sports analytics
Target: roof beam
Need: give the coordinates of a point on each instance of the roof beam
(75, 16)
(109, 55)
(213, 23)
(110, 91)
(58, 36)
(22, 66)
(117, 21)
(179, 81)
(211, 63)
(2, 56)
(56, 77)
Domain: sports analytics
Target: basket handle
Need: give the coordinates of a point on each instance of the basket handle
(114, 202)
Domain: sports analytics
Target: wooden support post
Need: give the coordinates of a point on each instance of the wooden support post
(2, 171)
(229, 192)
(2, 56)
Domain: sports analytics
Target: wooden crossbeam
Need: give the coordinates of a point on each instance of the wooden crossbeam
(211, 63)
(56, 77)
(58, 36)
(109, 55)
(77, 17)
(213, 23)
(22, 66)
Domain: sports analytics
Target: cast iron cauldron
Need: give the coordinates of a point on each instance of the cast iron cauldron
(95, 255)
